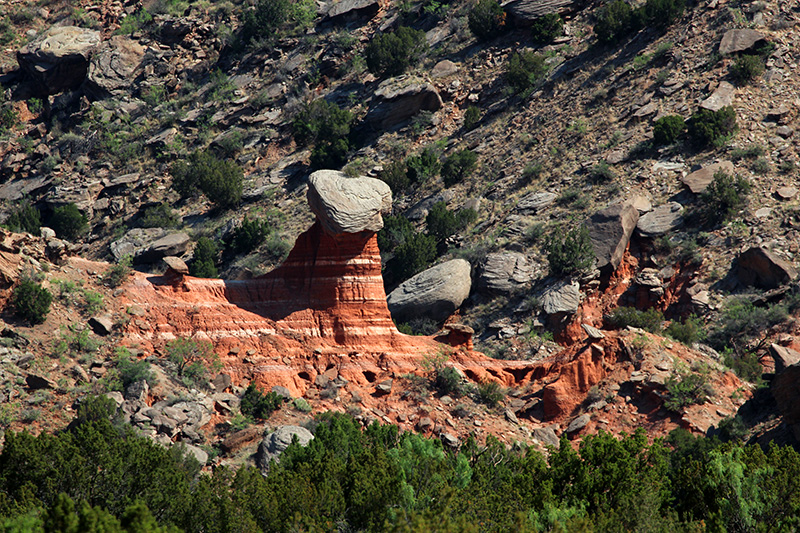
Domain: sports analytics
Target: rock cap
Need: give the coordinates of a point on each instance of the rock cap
(348, 205)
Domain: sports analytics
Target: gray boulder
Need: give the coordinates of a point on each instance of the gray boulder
(276, 442)
(561, 297)
(783, 357)
(610, 231)
(524, 12)
(398, 99)
(699, 180)
(661, 220)
(150, 245)
(176, 264)
(721, 97)
(113, 67)
(761, 268)
(348, 205)
(352, 9)
(435, 293)
(505, 272)
(739, 40)
(58, 59)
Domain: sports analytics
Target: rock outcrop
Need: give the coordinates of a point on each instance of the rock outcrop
(399, 99)
(661, 220)
(435, 293)
(58, 59)
(113, 67)
(276, 442)
(505, 272)
(699, 180)
(762, 268)
(610, 231)
(739, 40)
(524, 12)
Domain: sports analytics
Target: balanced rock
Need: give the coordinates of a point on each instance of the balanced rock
(435, 293)
(699, 180)
(348, 205)
(660, 220)
(176, 264)
(113, 67)
(276, 442)
(399, 99)
(760, 267)
(739, 40)
(505, 272)
(58, 59)
(610, 231)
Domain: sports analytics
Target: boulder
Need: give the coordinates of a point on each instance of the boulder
(535, 202)
(398, 99)
(348, 205)
(759, 267)
(524, 12)
(699, 180)
(561, 297)
(150, 245)
(739, 40)
(113, 67)
(785, 388)
(102, 324)
(435, 293)
(280, 439)
(546, 436)
(610, 231)
(176, 264)
(198, 453)
(505, 272)
(661, 220)
(352, 9)
(721, 97)
(35, 382)
(443, 68)
(58, 59)
(783, 357)
(579, 423)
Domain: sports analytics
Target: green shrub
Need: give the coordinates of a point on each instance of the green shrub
(747, 68)
(204, 264)
(525, 70)
(395, 175)
(601, 172)
(472, 117)
(413, 255)
(614, 22)
(570, 253)
(425, 165)
(685, 390)
(390, 54)
(250, 235)
(487, 20)
(263, 22)
(689, 331)
(259, 405)
(421, 325)
(489, 393)
(159, 216)
(302, 405)
(134, 22)
(458, 166)
(442, 223)
(220, 181)
(117, 274)
(746, 364)
(661, 13)
(24, 217)
(649, 320)
(751, 152)
(31, 301)
(68, 222)
(713, 128)
(666, 130)
(132, 370)
(192, 359)
(327, 127)
(725, 196)
(547, 28)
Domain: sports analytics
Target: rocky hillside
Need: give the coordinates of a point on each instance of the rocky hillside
(593, 213)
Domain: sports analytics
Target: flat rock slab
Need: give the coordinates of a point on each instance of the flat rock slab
(435, 293)
(661, 220)
(787, 193)
(721, 97)
(761, 268)
(561, 297)
(739, 40)
(699, 180)
(526, 11)
(58, 59)
(348, 205)
(399, 99)
(505, 272)
(610, 231)
(535, 202)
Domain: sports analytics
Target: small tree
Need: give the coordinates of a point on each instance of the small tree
(714, 128)
(525, 70)
(259, 405)
(747, 68)
(24, 217)
(458, 166)
(250, 234)
(204, 264)
(666, 130)
(614, 21)
(220, 181)
(31, 301)
(424, 165)
(443, 223)
(192, 359)
(486, 20)
(471, 117)
(390, 54)
(68, 222)
(547, 28)
(725, 195)
(326, 127)
(571, 253)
